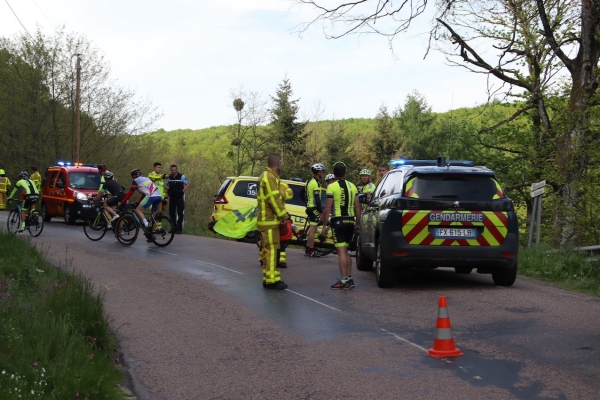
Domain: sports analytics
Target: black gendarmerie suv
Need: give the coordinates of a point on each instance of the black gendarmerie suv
(429, 214)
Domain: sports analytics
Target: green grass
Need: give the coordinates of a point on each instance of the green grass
(55, 341)
(568, 268)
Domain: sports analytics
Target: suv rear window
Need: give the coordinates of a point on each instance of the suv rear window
(454, 187)
(245, 189)
(84, 180)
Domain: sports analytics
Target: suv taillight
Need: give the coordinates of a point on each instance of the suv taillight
(220, 200)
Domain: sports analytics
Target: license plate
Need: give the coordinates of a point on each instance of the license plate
(456, 232)
(86, 206)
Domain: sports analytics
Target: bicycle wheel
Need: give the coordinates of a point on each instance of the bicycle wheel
(36, 223)
(14, 221)
(163, 235)
(95, 226)
(126, 230)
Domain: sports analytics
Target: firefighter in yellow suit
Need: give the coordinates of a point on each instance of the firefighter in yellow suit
(4, 185)
(286, 194)
(271, 213)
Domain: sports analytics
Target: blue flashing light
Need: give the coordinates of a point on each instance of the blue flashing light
(430, 163)
(61, 163)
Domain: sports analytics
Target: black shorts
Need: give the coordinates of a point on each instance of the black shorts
(314, 215)
(30, 200)
(114, 200)
(343, 229)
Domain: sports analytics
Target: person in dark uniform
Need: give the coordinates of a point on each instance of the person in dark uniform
(176, 184)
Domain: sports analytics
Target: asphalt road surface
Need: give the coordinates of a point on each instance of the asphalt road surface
(195, 323)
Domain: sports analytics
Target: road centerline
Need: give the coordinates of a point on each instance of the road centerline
(162, 251)
(219, 266)
(316, 301)
(404, 340)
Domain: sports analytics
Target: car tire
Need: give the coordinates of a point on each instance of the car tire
(384, 275)
(463, 270)
(45, 216)
(68, 216)
(249, 238)
(505, 276)
(362, 262)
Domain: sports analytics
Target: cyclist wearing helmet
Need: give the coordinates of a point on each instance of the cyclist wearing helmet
(150, 195)
(367, 186)
(102, 169)
(112, 187)
(29, 193)
(314, 208)
(330, 179)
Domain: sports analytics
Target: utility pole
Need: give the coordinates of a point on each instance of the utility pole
(77, 134)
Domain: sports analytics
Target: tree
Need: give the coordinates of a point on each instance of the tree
(288, 132)
(110, 114)
(523, 44)
(249, 138)
(385, 141)
(413, 122)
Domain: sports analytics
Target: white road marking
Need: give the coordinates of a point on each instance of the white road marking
(308, 298)
(162, 251)
(219, 266)
(404, 340)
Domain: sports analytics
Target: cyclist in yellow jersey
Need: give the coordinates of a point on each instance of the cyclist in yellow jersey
(314, 208)
(158, 178)
(342, 201)
(367, 187)
(286, 194)
(29, 193)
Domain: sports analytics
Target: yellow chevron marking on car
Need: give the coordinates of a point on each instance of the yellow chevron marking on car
(491, 227)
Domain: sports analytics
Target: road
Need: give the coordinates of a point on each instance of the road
(195, 323)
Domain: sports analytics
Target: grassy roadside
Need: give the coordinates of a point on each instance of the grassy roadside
(568, 269)
(55, 341)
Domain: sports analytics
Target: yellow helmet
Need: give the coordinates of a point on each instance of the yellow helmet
(2, 172)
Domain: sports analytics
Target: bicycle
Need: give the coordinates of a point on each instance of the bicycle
(34, 223)
(97, 223)
(160, 230)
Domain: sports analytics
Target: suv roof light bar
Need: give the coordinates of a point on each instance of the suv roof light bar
(430, 163)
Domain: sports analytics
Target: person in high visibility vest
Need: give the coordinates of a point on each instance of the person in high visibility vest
(286, 194)
(271, 213)
(4, 185)
(158, 178)
(367, 187)
(36, 178)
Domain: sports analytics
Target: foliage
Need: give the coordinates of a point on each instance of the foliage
(568, 268)
(55, 341)
(287, 132)
(37, 104)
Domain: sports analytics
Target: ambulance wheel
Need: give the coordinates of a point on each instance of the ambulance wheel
(47, 217)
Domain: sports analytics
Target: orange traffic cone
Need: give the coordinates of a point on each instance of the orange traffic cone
(443, 344)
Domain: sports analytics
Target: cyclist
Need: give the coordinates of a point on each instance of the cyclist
(342, 201)
(29, 193)
(286, 194)
(112, 187)
(314, 208)
(150, 196)
(158, 178)
(367, 186)
(329, 179)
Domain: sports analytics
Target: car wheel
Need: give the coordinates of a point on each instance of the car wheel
(46, 217)
(249, 238)
(68, 216)
(384, 275)
(362, 262)
(505, 277)
(463, 270)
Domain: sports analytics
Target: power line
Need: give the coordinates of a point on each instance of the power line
(15, 14)
(38, 7)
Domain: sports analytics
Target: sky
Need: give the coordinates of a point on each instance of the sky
(188, 55)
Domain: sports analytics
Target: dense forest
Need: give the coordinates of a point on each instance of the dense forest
(545, 127)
